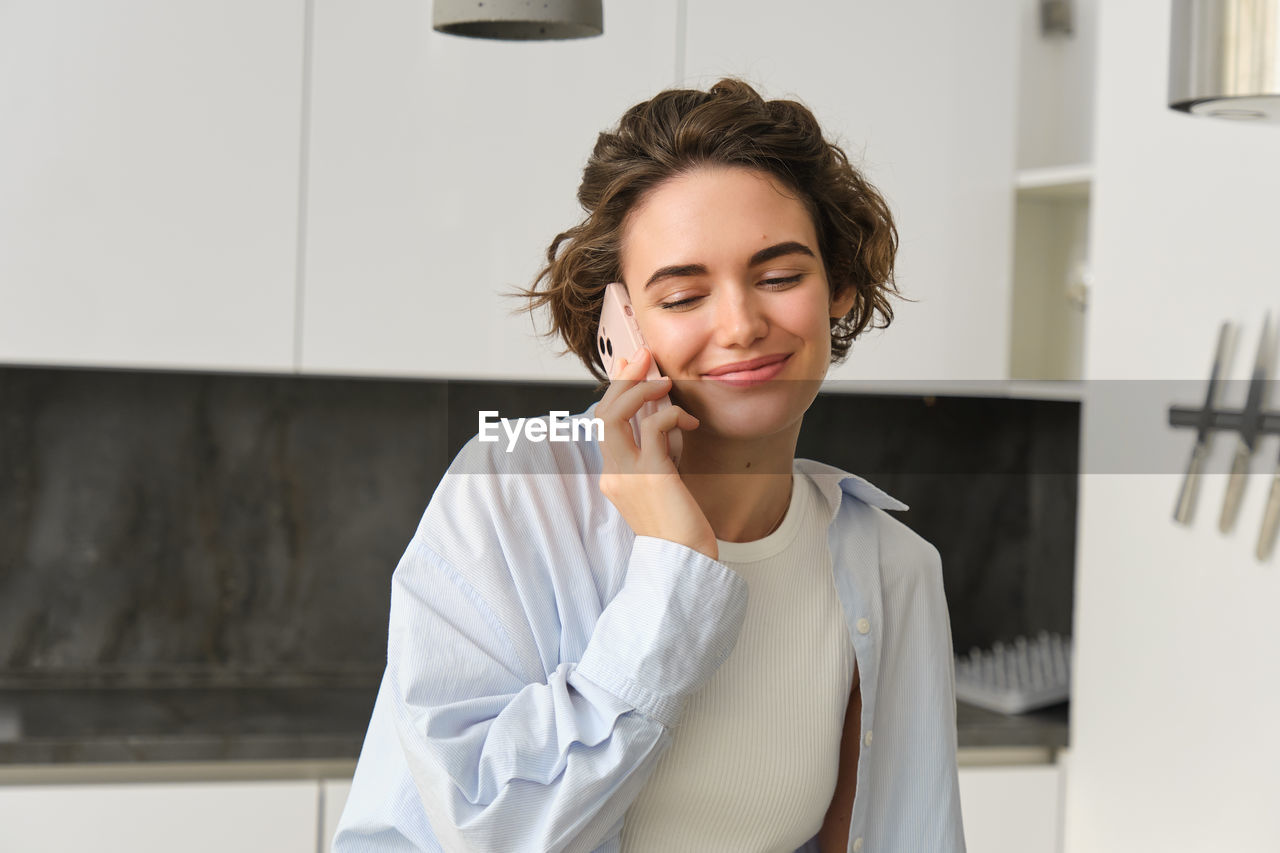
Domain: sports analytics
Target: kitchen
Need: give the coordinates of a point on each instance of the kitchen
(240, 345)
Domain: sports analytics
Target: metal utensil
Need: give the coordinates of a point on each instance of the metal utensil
(1204, 430)
(1250, 421)
(1271, 520)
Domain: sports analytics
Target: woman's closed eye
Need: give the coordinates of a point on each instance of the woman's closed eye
(679, 303)
(770, 283)
(777, 283)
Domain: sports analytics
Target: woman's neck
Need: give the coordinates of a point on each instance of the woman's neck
(743, 488)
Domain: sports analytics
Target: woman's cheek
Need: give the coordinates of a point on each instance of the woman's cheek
(670, 354)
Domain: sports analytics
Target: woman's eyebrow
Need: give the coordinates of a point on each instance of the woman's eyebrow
(675, 272)
(791, 247)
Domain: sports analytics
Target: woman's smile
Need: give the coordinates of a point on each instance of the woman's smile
(745, 374)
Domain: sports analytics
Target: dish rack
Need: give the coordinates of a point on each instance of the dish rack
(1016, 677)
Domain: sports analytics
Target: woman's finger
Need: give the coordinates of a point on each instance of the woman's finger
(618, 415)
(619, 444)
(639, 364)
(626, 373)
(625, 376)
(619, 365)
(627, 393)
(632, 399)
(617, 384)
(653, 438)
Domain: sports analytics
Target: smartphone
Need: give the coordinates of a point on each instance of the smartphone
(619, 337)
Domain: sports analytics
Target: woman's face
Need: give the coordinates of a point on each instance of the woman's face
(722, 266)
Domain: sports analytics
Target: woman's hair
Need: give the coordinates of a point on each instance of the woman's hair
(676, 132)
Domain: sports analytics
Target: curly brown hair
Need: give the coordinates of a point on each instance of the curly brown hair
(676, 132)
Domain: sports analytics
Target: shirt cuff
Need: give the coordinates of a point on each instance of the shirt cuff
(670, 627)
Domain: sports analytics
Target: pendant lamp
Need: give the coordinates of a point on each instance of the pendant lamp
(519, 20)
(1224, 59)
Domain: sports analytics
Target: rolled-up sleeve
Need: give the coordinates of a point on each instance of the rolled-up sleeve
(502, 758)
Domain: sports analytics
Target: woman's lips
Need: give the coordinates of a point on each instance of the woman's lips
(746, 378)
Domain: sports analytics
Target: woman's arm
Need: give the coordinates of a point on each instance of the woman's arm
(834, 835)
(507, 758)
(533, 678)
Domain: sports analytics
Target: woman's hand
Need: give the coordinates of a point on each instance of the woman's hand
(642, 482)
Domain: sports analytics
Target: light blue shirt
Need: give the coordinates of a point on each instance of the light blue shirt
(539, 653)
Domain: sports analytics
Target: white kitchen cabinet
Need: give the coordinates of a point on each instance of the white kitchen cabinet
(249, 187)
(922, 96)
(252, 817)
(1006, 808)
(333, 798)
(1012, 809)
(1051, 273)
(149, 173)
(439, 170)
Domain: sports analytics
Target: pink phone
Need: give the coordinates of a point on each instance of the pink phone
(619, 337)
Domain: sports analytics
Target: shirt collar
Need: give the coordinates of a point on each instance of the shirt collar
(832, 481)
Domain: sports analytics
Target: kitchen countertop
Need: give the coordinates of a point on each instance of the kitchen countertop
(183, 724)
(47, 727)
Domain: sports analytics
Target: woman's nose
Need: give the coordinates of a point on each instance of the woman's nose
(740, 319)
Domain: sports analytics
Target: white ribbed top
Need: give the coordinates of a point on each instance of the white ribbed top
(753, 761)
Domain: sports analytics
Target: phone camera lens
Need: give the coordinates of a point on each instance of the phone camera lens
(609, 346)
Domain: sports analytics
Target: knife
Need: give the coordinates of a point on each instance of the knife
(1250, 421)
(1271, 520)
(1204, 430)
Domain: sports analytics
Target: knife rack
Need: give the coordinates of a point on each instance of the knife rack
(1222, 419)
(1251, 423)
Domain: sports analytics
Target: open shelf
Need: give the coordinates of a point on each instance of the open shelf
(1051, 276)
(1055, 182)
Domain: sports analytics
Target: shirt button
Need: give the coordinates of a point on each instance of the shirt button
(857, 844)
(867, 739)
(863, 626)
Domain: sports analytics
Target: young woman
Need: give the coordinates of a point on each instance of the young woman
(591, 648)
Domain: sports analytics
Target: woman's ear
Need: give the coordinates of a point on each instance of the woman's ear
(842, 300)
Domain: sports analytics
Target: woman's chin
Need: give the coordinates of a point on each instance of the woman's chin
(746, 422)
(759, 411)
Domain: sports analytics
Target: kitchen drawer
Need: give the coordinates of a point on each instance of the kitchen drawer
(1012, 809)
(271, 816)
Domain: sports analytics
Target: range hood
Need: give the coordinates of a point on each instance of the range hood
(1224, 59)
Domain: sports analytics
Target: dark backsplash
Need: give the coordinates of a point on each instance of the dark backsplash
(193, 529)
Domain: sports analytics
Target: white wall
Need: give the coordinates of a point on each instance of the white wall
(923, 97)
(1175, 740)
